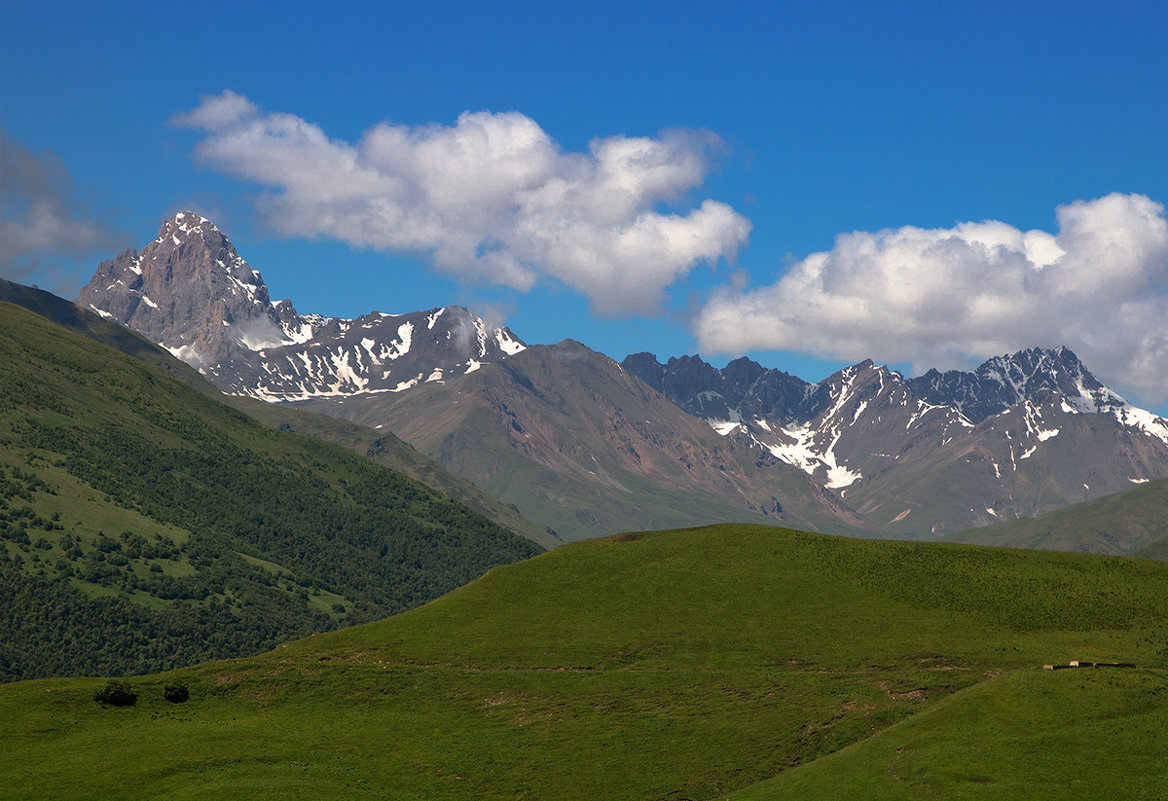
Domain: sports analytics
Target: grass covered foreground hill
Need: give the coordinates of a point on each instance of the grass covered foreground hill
(677, 665)
(145, 525)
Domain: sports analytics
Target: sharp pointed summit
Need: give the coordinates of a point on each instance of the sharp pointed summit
(1005, 380)
(189, 291)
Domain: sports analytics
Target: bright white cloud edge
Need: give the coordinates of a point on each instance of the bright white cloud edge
(491, 198)
(948, 298)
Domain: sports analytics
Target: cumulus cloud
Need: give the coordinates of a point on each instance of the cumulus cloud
(46, 228)
(217, 112)
(951, 297)
(491, 198)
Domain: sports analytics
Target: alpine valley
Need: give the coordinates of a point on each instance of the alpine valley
(587, 447)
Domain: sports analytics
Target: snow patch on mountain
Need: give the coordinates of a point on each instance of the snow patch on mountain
(405, 337)
(186, 354)
(1141, 419)
(507, 343)
(803, 452)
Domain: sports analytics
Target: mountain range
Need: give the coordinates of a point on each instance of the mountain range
(586, 446)
(1020, 436)
(753, 661)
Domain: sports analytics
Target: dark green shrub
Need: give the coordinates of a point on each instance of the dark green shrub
(176, 693)
(116, 693)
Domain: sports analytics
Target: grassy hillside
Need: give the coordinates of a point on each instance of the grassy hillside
(674, 665)
(144, 524)
(1096, 733)
(1156, 549)
(1131, 522)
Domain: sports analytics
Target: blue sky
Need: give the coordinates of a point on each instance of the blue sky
(880, 136)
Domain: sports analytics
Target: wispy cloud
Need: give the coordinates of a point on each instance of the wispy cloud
(949, 297)
(491, 198)
(46, 230)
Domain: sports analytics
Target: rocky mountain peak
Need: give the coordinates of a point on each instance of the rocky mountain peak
(743, 387)
(859, 383)
(1002, 381)
(191, 292)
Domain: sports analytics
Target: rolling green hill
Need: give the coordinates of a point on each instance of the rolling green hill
(1132, 522)
(1095, 733)
(674, 665)
(144, 524)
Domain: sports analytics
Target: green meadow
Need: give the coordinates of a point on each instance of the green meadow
(690, 664)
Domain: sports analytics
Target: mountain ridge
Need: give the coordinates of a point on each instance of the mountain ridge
(859, 428)
(565, 434)
(1020, 435)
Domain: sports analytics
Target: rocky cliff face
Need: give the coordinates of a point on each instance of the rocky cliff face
(189, 291)
(1020, 435)
(1004, 381)
(743, 386)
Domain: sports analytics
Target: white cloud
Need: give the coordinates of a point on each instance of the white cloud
(950, 297)
(217, 112)
(491, 198)
(46, 228)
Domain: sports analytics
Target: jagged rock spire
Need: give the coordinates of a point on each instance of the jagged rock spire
(191, 292)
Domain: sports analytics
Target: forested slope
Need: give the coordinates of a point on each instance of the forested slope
(146, 525)
(380, 446)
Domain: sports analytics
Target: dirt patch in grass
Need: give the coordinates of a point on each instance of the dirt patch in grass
(628, 536)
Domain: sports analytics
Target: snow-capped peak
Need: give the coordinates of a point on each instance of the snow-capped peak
(191, 292)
